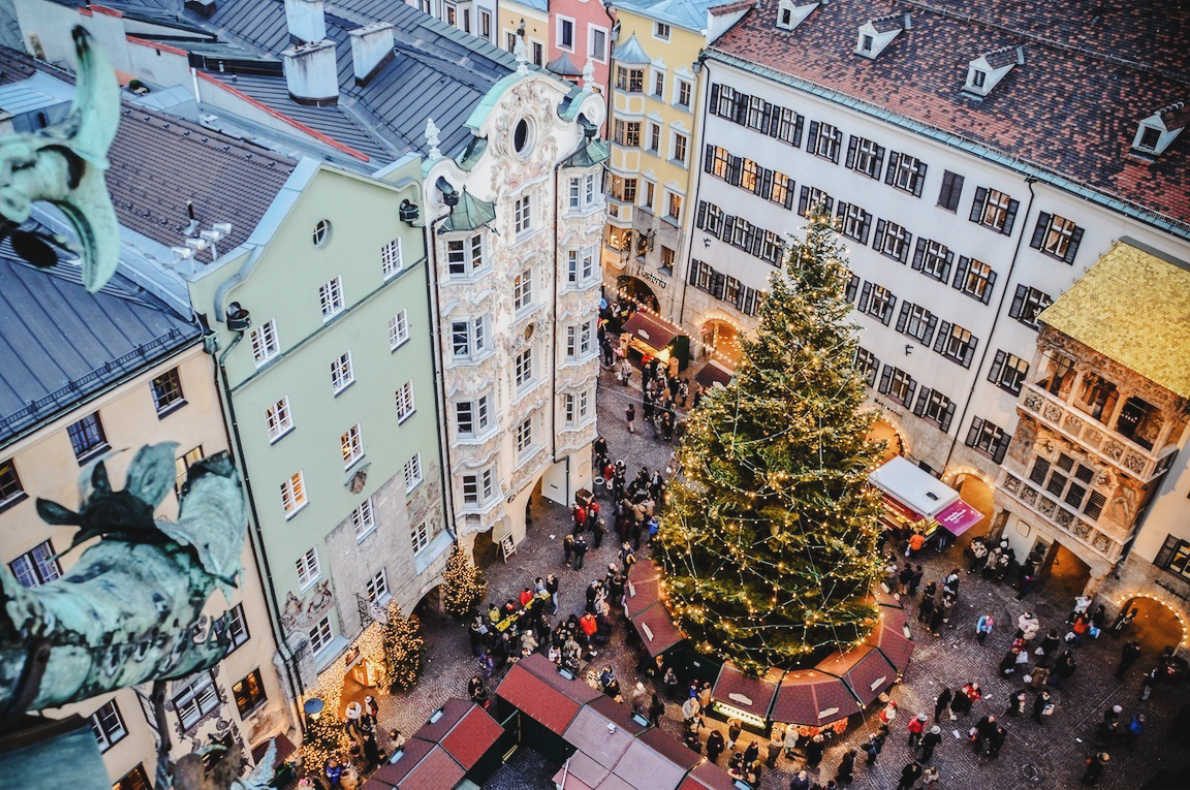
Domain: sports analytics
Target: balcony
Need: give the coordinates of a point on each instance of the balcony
(1123, 453)
(1103, 541)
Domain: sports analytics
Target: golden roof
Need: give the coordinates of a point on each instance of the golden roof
(1134, 308)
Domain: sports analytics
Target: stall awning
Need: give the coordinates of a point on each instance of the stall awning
(423, 766)
(812, 698)
(650, 330)
(958, 517)
(640, 595)
(657, 630)
(749, 694)
(713, 373)
(915, 488)
(708, 776)
(865, 669)
(535, 688)
(471, 738)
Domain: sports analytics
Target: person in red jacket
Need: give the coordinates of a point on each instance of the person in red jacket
(580, 518)
(588, 624)
(917, 726)
(526, 596)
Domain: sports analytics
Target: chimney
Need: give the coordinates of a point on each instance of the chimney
(305, 20)
(371, 48)
(311, 73)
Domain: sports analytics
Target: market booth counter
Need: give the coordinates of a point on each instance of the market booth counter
(914, 500)
(811, 701)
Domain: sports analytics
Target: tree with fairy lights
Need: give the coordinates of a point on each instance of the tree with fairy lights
(463, 586)
(768, 539)
(404, 649)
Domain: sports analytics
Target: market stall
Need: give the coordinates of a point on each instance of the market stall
(648, 335)
(865, 670)
(459, 746)
(916, 501)
(713, 373)
(739, 696)
(811, 701)
(546, 700)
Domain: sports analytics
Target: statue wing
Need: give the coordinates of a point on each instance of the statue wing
(212, 516)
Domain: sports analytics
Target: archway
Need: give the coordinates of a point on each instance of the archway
(883, 430)
(979, 494)
(629, 287)
(722, 338)
(1156, 625)
(1064, 572)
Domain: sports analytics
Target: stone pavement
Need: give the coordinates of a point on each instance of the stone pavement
(1041, 756)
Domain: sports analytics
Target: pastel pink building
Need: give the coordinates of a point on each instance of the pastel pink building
(580, 31)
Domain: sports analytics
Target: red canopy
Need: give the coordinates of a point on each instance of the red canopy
(657, 630)
(535, 688)
(750, 694)
(812, 698)
(470, 739)
(640, 595)
(865, 669)
(652, 331)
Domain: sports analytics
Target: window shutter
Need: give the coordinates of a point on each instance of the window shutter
(943, 333)
(774, 121)
(841, 209)
(969, 351)
(708, 159)
(694, 266)
(981, 199)
(812, 137)
(757, 240)
(973, 431)
(947, 416)
(789, 192)
(904, 256)
(733, 170)
(903, 316)
(864, 228)
(1043, 222)
(919, 179)
(728, 227)
(740, 109)
(1018, 301)
(715, 98)
(919, 408)
(997, 366)
(701, 220)
(797, 130)
(891, 173)
(766, 185)
(878, 239)
(803, 199)
(827, 202)
(909, 392)
(1001, 447)
(960, 274)
(1010, 218)
(987, 292)
(766, 117)
(919, 251)
(885, 377)
(717, 283)
(851, 146)
(930, 324)
(1167, 551)
(888, 311)
(879, 162)
(865, 297)
(1076, 238)
(946, 268)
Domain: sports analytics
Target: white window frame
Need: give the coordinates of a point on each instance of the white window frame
(398, 329)
(363, 518)
(405, 403)
(342, 373)
(522, 217)
(294, 495)
(278, 420)
(469, 254)
(484, 485)
(577, 407)
(420, 537)
(563, 20)
(522, 291)
(392, 258)
(376, 588)
(662, 31)
(523, 368)
(669, 197)
(330, 298)
(39, 564)
(678, 85)
(658, 83)
(196, 699)
(601, 55)
(523, 435)
(309, 568)
(320, 635)
(351, 445)
(479, 415)
(412, 472)
(674, 137)
(105, 737)
(264, 341)
(475, 332)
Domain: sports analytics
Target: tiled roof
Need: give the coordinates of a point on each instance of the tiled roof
(1071, 110)
(688, 14)
(631, 53)
(15, 66)
(159, 162)
(61, 344)
(888, 22)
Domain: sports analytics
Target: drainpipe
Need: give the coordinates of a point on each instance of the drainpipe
(1029, 181)
(436, 360)
(231, 428)
(696, 145)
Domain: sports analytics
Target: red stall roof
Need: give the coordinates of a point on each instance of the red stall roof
(582, 772)
(644, 570)
(535, 688)
(865, 669)
(657, 630)
(893, 643)
(640, 595)
(707, 776)
(754, 695)
(812, 698)
(649, 764)
(442, 720)
(470, 739)
(654, 332)
(423, 766)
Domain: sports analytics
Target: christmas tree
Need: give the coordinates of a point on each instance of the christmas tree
(768, 538)
(463, 586)
(404, 649)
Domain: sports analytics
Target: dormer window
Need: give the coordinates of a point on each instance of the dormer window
(978, 77)
(866, 46)
(1157, 132)
(876, 34)
(986, 71)
(791, 13)
(786, 20)
(1149, 137)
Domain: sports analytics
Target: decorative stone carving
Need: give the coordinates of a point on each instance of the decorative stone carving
(1046, 506)
(1029, 495)
(1082, 529)
(1052, 412)
(1092, 438)
(1032, 401)
(1063, 517)
(1113, 450)
(1101, 542)
(1072, 424)
(1012, 484)
(300, 614)
(1135, 463)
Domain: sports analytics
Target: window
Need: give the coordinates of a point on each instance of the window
(11, 491)
(421, 535)
(852, 288)
(824, 140)
(566, 34)
(892, 240)
(579, 340)
(523, 367)
(867, 364)
(866, 44)
(182, 466)
(597, 44)
(468, 338)
(1174, 557)
(86, 437)
(673, 205)
(576, 407)
(667, 260)
(485, 24)
(952, 190)
(658, 83)
(322, 233)
(278, 420)
(661, 31)
(623, 189)
(974, 278)
(906, 173)
(877, 301)
(471, 416)
(994, 209)
(412, 470)
(1150, 136)
(782, 189)
(351, 445)
(167, 392)
(464, 257)
(679, 148)
(854, 221)
(538, 54)
(580, 265)
(956, 343)
(978, 77)
(510, 40)
(522, 290)
(916, 322)
(308, 569)
(1063, 480)
(1057, 237)
(864, 156)
(237, 626)
(36, 566)
(683, 94)
(248, 693)
(627, 132)
(136, 779)
(478, 488)
(933, 258)
(897, 384)
(293, 494)
(813, 200)
(631, 80)
(405, 407)
(987, 438)
(320, 635)
(398, 329)
(452, 14)
(363, 518)
(195, 698)
(264, 342)
(935, 407)
(524, 435)
(582, 192)
(342, 374)
(330, 298)
(522, 216)
(1008, 372)
(391, 260)
(108, 725)
(1027, 303)
(376, 588)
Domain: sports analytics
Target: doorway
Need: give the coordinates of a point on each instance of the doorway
(629, 287)
(1065, 574)
(883, 431)
(723, 339)
(1156, 626)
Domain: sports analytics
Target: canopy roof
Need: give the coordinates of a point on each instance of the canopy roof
(651, 330)
(913, 486)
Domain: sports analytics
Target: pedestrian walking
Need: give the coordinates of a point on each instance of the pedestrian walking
(1135, 728)
(814, 750)
(1150, 680)
(551, 586)
(929, 742)
(630, 417)
(580, 549)
(656, 710)
(916, 727)
(791, 739)
(909, 775)
(983, 627)
(715, 745)
(843, 776)
(1128, 655)
(1017, 703)
(734, 728)
(801, 781)
(941, 703)
(996, 741)
(1096, 764)
(776, 738)
(889, 712)
(872, 749)
(914, 580)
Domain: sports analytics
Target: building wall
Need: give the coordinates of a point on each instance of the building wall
(673, 60)
(46, 464)
(281, 282)
(587, 16)
(536, 29)
(466, 15)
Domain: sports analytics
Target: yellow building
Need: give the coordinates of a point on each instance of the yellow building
(531, 20)
(652, 127)
(96, 374)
